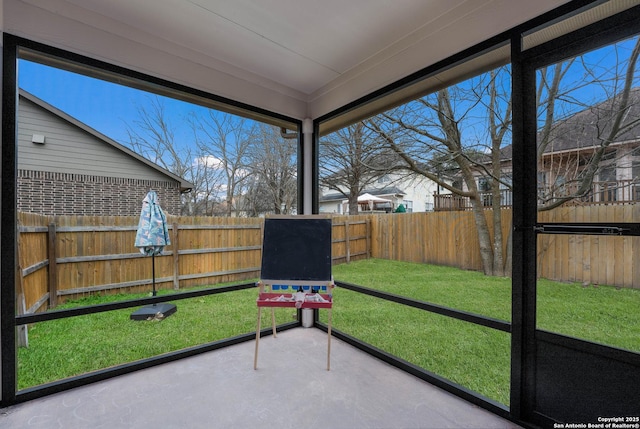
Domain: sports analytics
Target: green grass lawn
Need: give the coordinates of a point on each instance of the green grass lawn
(473, 356)
(604, 314)
(73, 346)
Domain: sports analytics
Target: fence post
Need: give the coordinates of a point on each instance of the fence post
(22, 331)
(176, 266)
(347, 247)
(367, 233)
(53, 267)
(21, 308)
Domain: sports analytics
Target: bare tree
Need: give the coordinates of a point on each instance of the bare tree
(468, 126)
(352, 159)
(224, 140)
(152, 135)
(273, 165)
(587, 128)
(234, 164)
(209, 184)
(429, 133)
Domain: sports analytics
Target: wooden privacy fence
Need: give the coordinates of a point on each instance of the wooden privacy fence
(67, 257)
(450, 238)
(591, 259)
(439, 238)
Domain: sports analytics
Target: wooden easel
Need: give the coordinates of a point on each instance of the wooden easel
(295, 296)
(296, 268)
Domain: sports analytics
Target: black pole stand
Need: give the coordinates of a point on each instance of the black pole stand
(154, 311)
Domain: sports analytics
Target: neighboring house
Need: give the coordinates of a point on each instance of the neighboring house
(67, 168)
(451, 202)
(414, 193)
(571, 145)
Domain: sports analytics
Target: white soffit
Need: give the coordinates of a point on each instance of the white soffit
(301, 58)
(440, 79)
(500, 55)
(539, 36)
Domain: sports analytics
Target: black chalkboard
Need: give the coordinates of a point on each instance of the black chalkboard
(297, 248)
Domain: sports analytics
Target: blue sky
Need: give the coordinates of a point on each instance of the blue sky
(110, 107)
(102, 105)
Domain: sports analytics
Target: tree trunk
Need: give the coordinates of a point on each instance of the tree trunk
(353, 206)
(498, 254)
(484, 238)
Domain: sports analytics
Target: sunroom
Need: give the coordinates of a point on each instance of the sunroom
(444, 86)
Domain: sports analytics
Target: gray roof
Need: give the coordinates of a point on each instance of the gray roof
(580, 131)
(587, 128)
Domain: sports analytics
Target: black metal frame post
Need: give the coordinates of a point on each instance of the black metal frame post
(8, 230)
(523, 280)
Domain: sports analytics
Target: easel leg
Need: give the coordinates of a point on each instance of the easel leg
(273, 321)
(255, 357)
(329, 343)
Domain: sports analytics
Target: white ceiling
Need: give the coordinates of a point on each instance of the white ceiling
(315, 55)
(297, 43)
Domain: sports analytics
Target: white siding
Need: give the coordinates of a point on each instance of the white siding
(420, 192)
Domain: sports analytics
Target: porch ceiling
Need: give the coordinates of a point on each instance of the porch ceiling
(301, 58)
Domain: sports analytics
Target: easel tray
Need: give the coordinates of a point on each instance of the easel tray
(312, 300)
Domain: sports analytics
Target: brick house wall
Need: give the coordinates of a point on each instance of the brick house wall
(50, 193)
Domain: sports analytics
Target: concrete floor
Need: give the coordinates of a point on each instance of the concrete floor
(290, 389)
